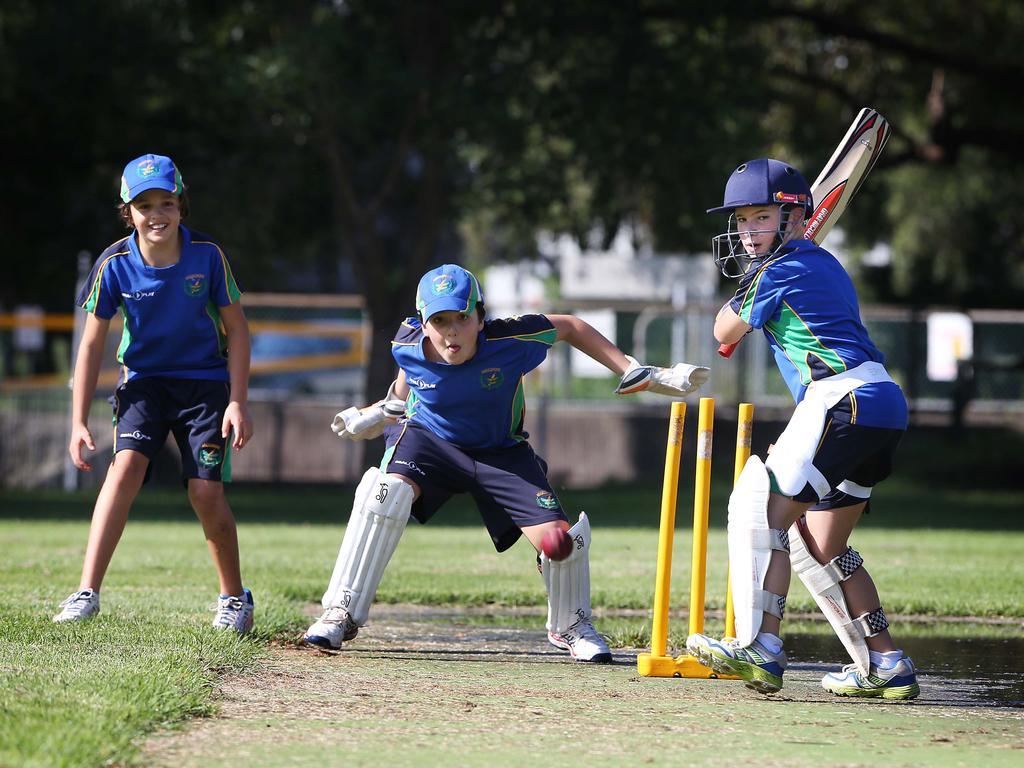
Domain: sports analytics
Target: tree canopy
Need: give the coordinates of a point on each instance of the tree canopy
(353, 144)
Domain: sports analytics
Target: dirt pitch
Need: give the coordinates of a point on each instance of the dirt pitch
(423, 687)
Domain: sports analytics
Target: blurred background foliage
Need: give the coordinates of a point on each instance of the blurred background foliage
(350, 145)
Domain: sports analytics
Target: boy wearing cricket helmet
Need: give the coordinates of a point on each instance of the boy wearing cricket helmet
(454, 422)
(184, 359)
(799, 507)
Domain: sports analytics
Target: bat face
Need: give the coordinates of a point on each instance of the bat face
(845, 172)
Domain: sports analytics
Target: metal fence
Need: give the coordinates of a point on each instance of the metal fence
(309, 353)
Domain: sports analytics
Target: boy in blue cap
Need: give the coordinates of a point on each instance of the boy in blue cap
(184, 358)
(807, 497)
(459, 396)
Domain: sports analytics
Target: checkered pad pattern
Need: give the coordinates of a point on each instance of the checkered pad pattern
(877, 621)
(849, 561)
(784, 538)
(782, 605)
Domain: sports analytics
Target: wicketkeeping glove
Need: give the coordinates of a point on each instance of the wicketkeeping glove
(679, 380)
(369, 422)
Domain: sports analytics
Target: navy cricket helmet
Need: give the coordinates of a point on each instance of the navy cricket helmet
(765, 182)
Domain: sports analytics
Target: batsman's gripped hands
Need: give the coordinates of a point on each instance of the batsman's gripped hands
(369, 422)
(678, 381)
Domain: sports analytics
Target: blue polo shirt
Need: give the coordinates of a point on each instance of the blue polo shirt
(478, 404)
(806, 305)
(172, 324)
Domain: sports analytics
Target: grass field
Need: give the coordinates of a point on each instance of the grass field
(88, 695)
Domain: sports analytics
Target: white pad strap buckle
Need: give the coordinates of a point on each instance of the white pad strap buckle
(379, 515)
(568, 581)
(769, 602)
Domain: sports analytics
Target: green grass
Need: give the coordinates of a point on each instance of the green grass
(85, 695)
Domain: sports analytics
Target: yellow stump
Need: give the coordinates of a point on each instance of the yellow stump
(669, 494)
(744, 433)
(657, 663)
(701, 503)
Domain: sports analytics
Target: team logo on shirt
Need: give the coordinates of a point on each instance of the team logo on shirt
(195, 284)
(491, 378)
(546, 500)
(210, 454)
(442, 285)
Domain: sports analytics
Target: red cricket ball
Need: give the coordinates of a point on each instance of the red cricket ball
(556, 544)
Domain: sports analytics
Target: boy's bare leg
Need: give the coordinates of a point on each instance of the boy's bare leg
(211, 506)
(829, 532)
(121, 486)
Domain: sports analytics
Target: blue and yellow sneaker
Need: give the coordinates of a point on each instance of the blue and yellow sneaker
(759, 668)
(899, 682)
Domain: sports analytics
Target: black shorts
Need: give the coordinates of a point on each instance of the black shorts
(147, 409)
(853, 458)
(509, 485)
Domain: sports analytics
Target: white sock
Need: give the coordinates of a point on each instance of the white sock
(771, 643)
(886, 660)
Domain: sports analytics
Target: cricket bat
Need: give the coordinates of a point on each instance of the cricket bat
(841, 178)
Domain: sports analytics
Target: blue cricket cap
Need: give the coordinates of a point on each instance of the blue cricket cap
(765, 182)
(150, 172)
(449, 287)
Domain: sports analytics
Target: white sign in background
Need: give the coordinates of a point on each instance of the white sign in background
(950, 340)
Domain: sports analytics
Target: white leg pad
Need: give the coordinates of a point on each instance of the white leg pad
(823, 582)
(568, 581)
(751, 543)
(379, 514)
(791, 461)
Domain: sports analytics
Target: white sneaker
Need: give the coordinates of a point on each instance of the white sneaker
(582, 642)
(234, 612)
(333, 628)
(78, 606)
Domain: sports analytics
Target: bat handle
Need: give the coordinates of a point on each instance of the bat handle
(726, 350)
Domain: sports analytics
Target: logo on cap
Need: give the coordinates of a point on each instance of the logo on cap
(442, 285)
(147, 168)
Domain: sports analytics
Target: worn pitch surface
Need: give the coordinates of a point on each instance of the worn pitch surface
(421, 687)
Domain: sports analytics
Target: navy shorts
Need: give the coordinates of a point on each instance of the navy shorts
(853, 458)
(510, 485)
(147, 409)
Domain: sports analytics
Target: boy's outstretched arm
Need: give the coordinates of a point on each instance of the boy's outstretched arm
(677, 381)
(83, 386)
(588, 340)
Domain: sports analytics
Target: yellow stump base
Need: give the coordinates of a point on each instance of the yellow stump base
(649, 665)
